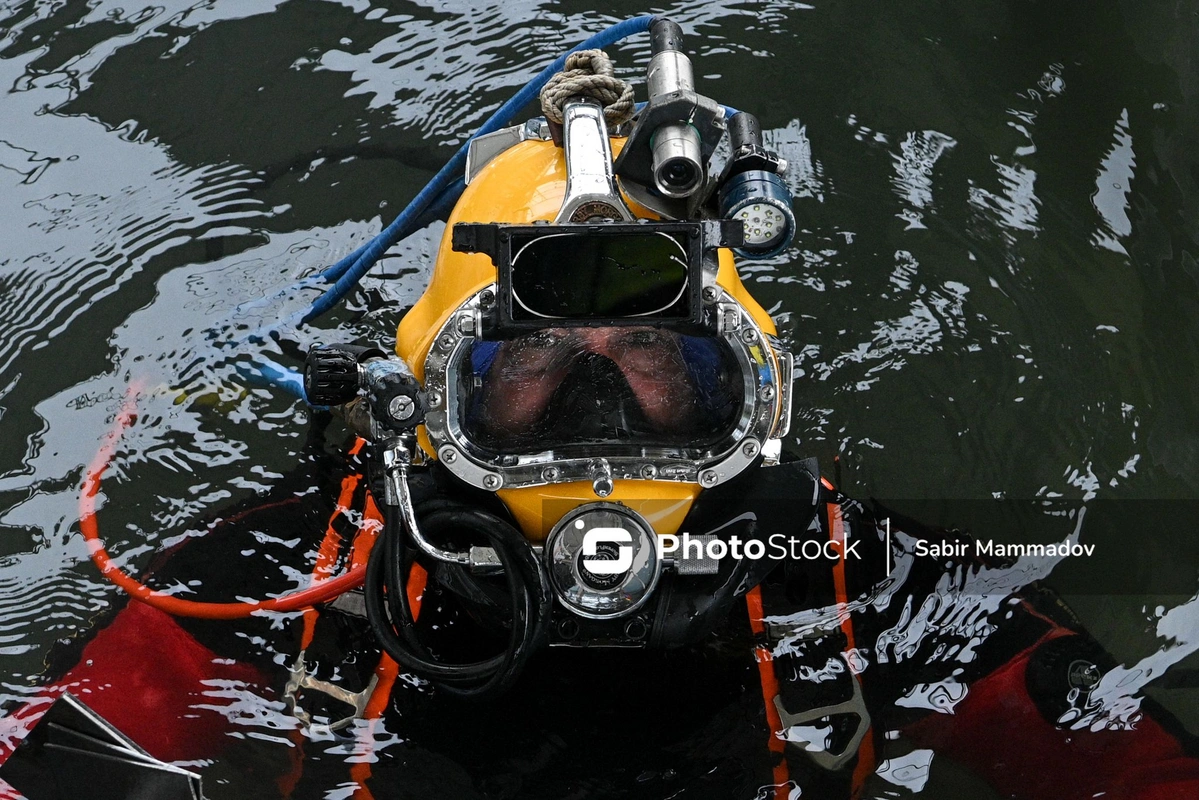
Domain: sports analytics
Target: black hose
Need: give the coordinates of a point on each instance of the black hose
(387, 607)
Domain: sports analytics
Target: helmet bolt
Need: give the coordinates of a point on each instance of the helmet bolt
(449, 455)
(491, 482)
(710, 294)
(750, 449)
(401, 407)
(766, 392)
(465, 324)
(708, 478)
(649, 472)
(749, 335)
(550, 474)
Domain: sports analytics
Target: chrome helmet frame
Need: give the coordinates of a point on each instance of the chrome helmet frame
(765, 413)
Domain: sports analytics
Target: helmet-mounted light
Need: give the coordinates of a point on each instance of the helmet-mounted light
(752, 190)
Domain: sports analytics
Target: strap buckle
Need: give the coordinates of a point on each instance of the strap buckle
(856, 705)
(299, 679)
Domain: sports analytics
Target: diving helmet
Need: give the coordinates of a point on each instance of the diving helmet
(579, 342)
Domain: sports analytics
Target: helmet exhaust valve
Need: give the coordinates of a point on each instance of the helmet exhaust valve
(602, 561)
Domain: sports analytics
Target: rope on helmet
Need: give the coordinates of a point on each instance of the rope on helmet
(588, 73)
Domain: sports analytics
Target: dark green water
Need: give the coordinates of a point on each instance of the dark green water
(995, 293)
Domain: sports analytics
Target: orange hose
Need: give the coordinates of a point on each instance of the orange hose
(318, 592)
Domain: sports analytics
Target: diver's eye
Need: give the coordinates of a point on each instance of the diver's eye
(537, 351)
(543, 339)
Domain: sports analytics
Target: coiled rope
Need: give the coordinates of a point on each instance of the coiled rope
(589, 73)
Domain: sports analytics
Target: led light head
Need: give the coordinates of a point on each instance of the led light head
(762, 202)
(752, 191)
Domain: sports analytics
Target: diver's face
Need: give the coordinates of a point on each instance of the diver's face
(529, 370)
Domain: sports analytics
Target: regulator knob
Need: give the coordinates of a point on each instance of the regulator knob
(395, 396)
(330, 375)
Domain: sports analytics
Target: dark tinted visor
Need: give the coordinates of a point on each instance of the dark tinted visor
(595, 276)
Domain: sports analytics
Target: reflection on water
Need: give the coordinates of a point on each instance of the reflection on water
(994, 293)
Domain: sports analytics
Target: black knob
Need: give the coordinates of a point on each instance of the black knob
(744, 131)
(664, 35)
(330, 375)
(396, 399)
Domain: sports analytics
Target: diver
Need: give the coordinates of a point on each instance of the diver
(585, 378)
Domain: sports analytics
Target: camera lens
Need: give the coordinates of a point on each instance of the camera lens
(678, 164)
(679, 174)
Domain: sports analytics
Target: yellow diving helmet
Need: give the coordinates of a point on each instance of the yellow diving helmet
(576, 347)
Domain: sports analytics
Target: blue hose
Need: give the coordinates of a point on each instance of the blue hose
(347, 272)
(272, 373)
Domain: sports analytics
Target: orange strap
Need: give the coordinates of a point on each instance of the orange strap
(770, 690)
(387, 670)
(836, 532)
(326, 555)
(766, 671)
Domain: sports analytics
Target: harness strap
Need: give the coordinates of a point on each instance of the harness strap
(862, 744)
(374, 700)
(836, 531)
(770, 693)
(326, 555)
(387, 670)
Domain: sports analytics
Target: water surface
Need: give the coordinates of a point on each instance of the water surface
(995, 293)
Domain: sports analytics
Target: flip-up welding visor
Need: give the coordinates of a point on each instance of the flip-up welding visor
(588, 278)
